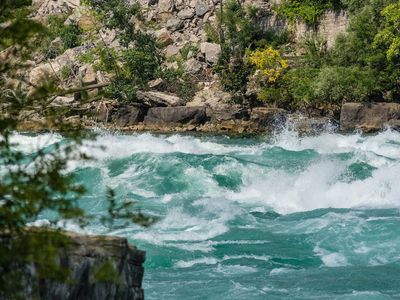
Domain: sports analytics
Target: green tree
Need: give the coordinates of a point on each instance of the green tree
(140, 58)
(32, 184)
(389, 36)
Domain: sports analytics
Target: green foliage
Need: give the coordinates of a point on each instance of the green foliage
(389, 36)
(309, 11)
(116, 14)
(179, 82)
(70, 36)
(357, 68)
(185, 50)
(37, 183)
(66, 72)
(237, 32)
(338, 84)
(140, 58)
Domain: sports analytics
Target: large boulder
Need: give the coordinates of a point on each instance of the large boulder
(211, 97)
(211, 51)
(179, 114)
(127, 115)
(267, 118)
(201, 9)
(53, 68)
(227, 112)
(83, 258)
(369, 117)
(166, 6)
(312, 125)
(159, 99)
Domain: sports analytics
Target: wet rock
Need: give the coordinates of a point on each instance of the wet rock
(311, 125)
(267, 118)
(369, 117)
(179, 114)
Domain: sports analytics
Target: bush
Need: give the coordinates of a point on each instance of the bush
(341, 84)
(139, 59)
(309, 11)
(179, 82)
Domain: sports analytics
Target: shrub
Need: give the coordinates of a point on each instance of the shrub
(389, 36)
(139, 59)
(338, 84)
(269, 64)
(309, 11)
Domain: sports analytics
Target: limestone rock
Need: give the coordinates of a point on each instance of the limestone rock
(179, 114)
(48, 7)
(227, 112)
(201, 9)
(174, 24)
(89, 76)
(165, 6)
(211, 97)
(171, 50)
(211, 51)
(193, 66)
(369, 117)
(152, 99)
(163, 36)
(62, 101)
(157, 84)
(186, 13)
(53, 67)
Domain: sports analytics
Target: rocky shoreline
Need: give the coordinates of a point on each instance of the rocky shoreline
(364, 117)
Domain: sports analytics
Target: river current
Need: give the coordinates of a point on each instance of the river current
(271, 217)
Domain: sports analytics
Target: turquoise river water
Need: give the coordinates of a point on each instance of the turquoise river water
(271, 217)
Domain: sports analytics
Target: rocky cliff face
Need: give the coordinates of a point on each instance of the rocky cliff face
(84, 259)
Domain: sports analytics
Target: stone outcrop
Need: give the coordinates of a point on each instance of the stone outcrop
(83, 258)
(331, 25)
(369, 117)
(268, 118)
(152, 99)
(179, 114)
(47, 7)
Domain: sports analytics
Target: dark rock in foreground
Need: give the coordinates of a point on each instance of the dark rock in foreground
(369, 117)
(83, 258)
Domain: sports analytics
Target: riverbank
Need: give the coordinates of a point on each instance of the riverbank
(364, 117)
